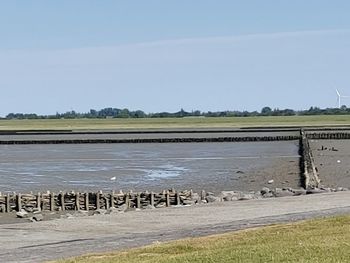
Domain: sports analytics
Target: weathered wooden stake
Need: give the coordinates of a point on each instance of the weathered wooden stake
(63, 207)
(87, 201)
(77, 203)
(127, 200)
(178, 201)
(107, 203)
(38, 202)
(203, 195)
(97, 201)
(138, 200)
(167, 198)
(152, 199)
(19, 204)
(112, 200)
(8, 207)
(52, 201)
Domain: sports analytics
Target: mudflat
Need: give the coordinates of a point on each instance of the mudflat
(332, 159)
(155, 167)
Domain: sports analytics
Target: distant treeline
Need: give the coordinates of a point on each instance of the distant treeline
(125, 113)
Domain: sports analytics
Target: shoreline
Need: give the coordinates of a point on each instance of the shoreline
(38, 242)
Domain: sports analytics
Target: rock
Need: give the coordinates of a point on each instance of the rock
(257, 195)
(268, 195)
(188, 202)
(326, 189)
(228, 196)
(282, 193)
(100, 212)
(225, 193)
(69, 216)
(245, 197)
(113, 210)
(38, 217)
(314, 191)
(195, 197)
(270, 181)
(341, 189)
(29, 209)
(160, 205)
(81, 213)
(212, 199)
(149, 207)
(122, 208)
(298, 192)
(265, 190)
(210, 193)
(22, 214)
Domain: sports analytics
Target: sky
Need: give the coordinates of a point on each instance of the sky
(164, 55)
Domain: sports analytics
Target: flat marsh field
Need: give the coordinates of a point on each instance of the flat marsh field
(173, 123)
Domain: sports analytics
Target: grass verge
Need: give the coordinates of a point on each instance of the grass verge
(320, 240)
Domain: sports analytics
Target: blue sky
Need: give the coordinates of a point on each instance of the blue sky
(166, 55)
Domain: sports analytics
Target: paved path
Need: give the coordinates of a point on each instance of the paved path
(37, 242)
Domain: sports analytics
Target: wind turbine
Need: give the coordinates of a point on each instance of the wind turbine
(339, 98)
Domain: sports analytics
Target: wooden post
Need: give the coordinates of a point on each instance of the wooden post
(107, 203)
(87, 201)
(127, 200)
(97, 201)
(167, 198)
(178, 201)
(203, 195)
(8, 207)
(112, 200)
(38, 202)
(152, 199)
(52, 201)
(62, 201)
(77, 203)
(19, 203)
(138, 200)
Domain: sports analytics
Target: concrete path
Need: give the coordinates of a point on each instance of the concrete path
(37, 242)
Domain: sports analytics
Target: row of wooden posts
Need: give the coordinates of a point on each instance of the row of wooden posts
(91, 201)
(329, 136)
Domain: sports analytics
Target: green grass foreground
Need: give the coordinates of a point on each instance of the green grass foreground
(320, 240)
(159, 123)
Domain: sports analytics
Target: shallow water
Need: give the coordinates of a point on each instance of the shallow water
(211, 166)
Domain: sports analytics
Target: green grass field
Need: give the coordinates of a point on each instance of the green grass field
(321, 240)
(162, 123)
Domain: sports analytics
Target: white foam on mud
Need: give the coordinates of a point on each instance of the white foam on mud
(92, 169)
(165, 171)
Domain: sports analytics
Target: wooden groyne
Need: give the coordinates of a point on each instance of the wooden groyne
(156, 140)
(310, 178)
(91, 200)
(329, 136)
